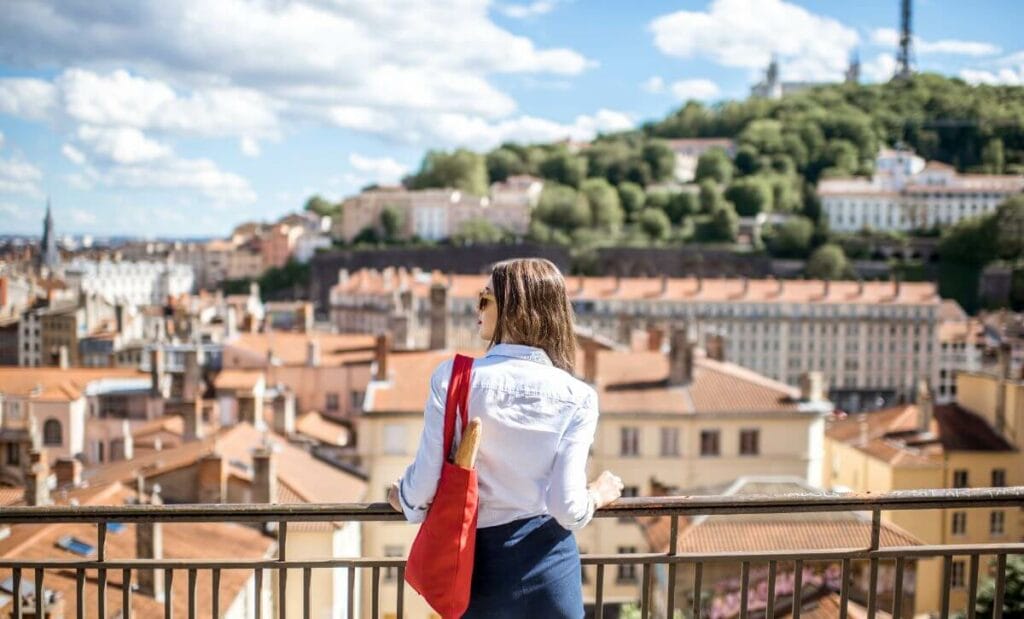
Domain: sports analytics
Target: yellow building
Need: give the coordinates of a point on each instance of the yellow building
(672, 417)
(974, 442)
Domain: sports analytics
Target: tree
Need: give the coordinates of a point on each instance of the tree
(478, 231)
(1013, 594)
(791, 239)
(681, 205)
(993, 156)
(605, 208)
(714, 164)
(827, 262)
(632, 198)
(502, 163)
(750, 195)
(460, 169)
(317, 204)
(655, 224)
(565, 168)
(561, 207)
(710, 197)
(748, 160)
(660, 159)
(1009, 225)
(390, 223)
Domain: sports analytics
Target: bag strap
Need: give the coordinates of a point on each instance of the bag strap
(457, 402)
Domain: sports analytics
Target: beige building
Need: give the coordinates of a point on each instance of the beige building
(973, 442)
(689, 150)
(671, 417)
(245, 262)
(870, 339)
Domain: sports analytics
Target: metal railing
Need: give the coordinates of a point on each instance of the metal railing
(671, 507)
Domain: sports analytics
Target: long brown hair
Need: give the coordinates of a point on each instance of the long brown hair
(534, 309)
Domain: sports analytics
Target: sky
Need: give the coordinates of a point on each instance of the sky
(183, 118)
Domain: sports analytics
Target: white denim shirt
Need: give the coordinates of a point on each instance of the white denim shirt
(538, 423)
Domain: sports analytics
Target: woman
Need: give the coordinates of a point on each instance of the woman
(538, 423)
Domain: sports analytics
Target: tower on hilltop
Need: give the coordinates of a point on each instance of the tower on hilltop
(49, 257)
(903, 58)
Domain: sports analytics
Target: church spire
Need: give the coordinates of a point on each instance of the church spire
(49, 257)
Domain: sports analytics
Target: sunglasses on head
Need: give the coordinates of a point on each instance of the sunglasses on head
(485, 299)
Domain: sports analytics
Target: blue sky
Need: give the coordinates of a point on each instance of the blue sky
(186, 117)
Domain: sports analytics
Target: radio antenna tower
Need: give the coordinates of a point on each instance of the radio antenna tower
(903, 60)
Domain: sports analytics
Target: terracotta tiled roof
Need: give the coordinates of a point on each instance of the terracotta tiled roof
(319, 427)
(11, 495)
(238, 380)
(827, 607)
(249, 350)
(56, 384)
(970, 331)
(951, 310)
(366, 282)
(409, 384)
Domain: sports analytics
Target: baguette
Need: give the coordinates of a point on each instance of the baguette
(470, 445)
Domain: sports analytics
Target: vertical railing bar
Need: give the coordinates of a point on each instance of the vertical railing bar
(282, 572)
(307, 575)
(844, 590)
(997, 601)
(872, 587)
(645, 593)
(798, 587)
(16, 585)
(947, 582)
(168, 597)
(673, 548)
(770, 607)
(400, 602)
(375, 592)
(599, 593)
(101, 541)
(192, 594)
(972, 586)
(259, 592)
(744, 588)
(876, 528)
(101, 592)
(351, 592)
(215, 598)
(80, 593)
(897, 590)
(126, 593)
(698, 575)
(40, 593)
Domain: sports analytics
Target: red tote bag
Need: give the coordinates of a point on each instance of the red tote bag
(440, 565)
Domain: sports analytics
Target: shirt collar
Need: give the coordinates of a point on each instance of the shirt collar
(520, 351)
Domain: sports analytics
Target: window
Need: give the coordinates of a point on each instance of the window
(998, 478)
(331, 404)
(392, 552)
(356, 399)
(630, 441)
(956, 576)
(997, 523)
(669, 442)
(750, 442)
(959, 523)
(960, 478)
(627, 571)
(53, 434)
(709, 444)
(394, 439)
(13, 455)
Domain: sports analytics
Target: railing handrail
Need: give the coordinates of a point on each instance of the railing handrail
(626, 507)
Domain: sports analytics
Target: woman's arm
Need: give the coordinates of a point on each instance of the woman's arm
(568, 499)
(416, 488)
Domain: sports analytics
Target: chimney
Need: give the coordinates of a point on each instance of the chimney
(192, 414)
(127, 441)
(192, 381)
(896, 286)
(680, 357)
(149, 544)
(307, 317)
(62, 357)
(860, 288)
(745, 288)
(826, 288)
(664, 286)
(120, 315)
(254, 290)
(264, 475)
(655, 338)
(590, 350)
(284, 411)
(862, 426)
(618, 284)
(37, 486)
(69, 472)
(812, 387)
(580, 283)
(700, 285)
(925, 407)
(438, 317)
(343, 277)
(715, 346)
(625, 328)
(211, 479)
(380, 357)
(231, 322)
(156, 371)
(312, 353)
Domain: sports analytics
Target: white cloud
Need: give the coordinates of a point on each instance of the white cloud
(654, 84)
(745, 33)
(523, 11)
(73, 154)
(10, 211)
(1006, 76)
(20, 177)
(477, 132)
(880, 68)
(249, 146)
(82, 217)
(1, 139)
(173, 173)
(699, 89)
(121, 145)
(28, 98)
(381, 170)
(890, 37)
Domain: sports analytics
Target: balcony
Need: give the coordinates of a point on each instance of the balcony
(274, 595)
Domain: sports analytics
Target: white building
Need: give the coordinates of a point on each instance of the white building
(132, 283)
(907, 194)
(689, 150)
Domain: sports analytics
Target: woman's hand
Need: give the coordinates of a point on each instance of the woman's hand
(607, 487)
(393, 497)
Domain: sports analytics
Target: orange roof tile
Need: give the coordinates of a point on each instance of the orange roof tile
(239, 380)
(56, 384)
(319, 427)
(249, 350)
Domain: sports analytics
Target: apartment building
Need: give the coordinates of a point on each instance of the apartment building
(906, 193)
(132, 283)
(872, 340)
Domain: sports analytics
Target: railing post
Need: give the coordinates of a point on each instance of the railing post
(282, 572)
(673, 547)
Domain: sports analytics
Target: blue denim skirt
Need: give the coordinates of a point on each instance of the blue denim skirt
(526, 568)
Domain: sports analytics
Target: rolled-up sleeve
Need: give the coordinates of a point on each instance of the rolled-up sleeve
(568, 500)
(418, 484)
